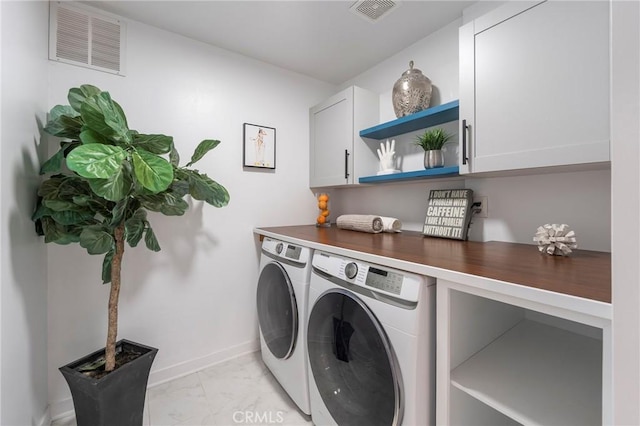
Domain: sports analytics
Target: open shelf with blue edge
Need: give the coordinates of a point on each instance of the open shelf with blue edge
(420, 120)
(440, 172)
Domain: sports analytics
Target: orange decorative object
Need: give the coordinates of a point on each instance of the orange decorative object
(323, 205)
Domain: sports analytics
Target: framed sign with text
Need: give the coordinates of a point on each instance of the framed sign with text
(448, 213)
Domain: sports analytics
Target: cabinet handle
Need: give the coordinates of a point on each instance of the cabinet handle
(464, 141)
(346, 164)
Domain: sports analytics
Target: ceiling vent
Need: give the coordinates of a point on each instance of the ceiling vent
(373, 10)
(86, 37)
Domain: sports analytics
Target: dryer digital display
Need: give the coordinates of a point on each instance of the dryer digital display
(384, 280)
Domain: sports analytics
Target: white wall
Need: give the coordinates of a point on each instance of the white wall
(23, 287)
(195, 300)
(517, 205)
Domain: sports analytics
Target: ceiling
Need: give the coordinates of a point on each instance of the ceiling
(320, 39)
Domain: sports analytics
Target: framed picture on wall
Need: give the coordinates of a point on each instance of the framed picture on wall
(259, 146)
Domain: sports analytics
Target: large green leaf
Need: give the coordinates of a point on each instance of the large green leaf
(82, 200)
(166, 203)
(68, 146)
(134, 227)
(72, 186)
(139, 214)
(41, 211)
(106, 266)
(202, 187)
(135, 230)
(151, 241)
(62, 125)
(59, 234)
(53, 164)
(101, 114)
(70, 217)
(114, 188)
(78, 95)
(153, 172)
(49, 189)
(88, 135)
(96, 240)
(60, 110)
(58, 205)
(119, 212)
(174, 156)
(156, 144)
(180, 188)
(124, 117)
(202, 148)
(96, 160)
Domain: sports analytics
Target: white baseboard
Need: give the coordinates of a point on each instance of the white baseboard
(44, 420)
(64, 408)
(184, 368)
(61, 409)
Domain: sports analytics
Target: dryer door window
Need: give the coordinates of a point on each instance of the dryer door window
(353, 363)
(277, 310)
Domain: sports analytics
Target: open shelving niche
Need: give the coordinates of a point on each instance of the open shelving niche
(546, 376)
(420, 120)
(509, 364)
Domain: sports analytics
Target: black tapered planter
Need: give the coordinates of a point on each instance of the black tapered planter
(116, 399)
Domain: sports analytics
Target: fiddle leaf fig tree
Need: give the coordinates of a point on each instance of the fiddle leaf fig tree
(105, 178)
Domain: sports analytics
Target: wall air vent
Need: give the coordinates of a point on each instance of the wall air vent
(373, 10)
(86, 37)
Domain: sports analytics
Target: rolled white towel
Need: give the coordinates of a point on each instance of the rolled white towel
(391, 224)
(360, 222)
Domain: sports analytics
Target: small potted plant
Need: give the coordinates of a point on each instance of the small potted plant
(101, 183)
(432, 142)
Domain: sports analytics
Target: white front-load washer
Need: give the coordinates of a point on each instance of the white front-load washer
(282, 301)
(371, 344)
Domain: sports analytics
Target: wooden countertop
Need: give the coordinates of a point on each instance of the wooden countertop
(585, 274)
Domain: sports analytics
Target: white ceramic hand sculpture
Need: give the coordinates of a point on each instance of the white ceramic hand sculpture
(386, 153)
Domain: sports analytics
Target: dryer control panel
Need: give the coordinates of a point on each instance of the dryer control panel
(283, 250)
(402, 285)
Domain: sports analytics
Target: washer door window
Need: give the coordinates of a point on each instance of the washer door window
(353, 363)
(277, 310)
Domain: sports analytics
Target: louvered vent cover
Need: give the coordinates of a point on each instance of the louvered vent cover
(373, 10)
(87, 38)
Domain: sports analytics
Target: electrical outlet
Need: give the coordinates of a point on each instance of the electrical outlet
(483, 209)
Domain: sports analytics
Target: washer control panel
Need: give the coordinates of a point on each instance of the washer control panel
(384, 280)
(378, 279)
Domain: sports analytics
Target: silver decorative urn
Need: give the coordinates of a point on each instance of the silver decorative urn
(411, 93)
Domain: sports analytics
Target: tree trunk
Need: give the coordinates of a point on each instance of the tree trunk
(112, 331)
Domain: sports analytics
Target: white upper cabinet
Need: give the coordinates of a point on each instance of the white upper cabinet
(534, 86)
(337, 154)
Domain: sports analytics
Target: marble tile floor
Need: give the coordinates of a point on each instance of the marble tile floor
(241, 391)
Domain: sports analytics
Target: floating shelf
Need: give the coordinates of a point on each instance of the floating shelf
(537, 374)
(420, 120)
(439, 172)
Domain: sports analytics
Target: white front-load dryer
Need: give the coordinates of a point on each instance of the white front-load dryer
(282, 301)
(371, 344)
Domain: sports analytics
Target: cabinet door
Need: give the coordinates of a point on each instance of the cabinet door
(534, 86)
(331, 141)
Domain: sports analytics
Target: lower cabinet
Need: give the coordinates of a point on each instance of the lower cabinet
(503, 360)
